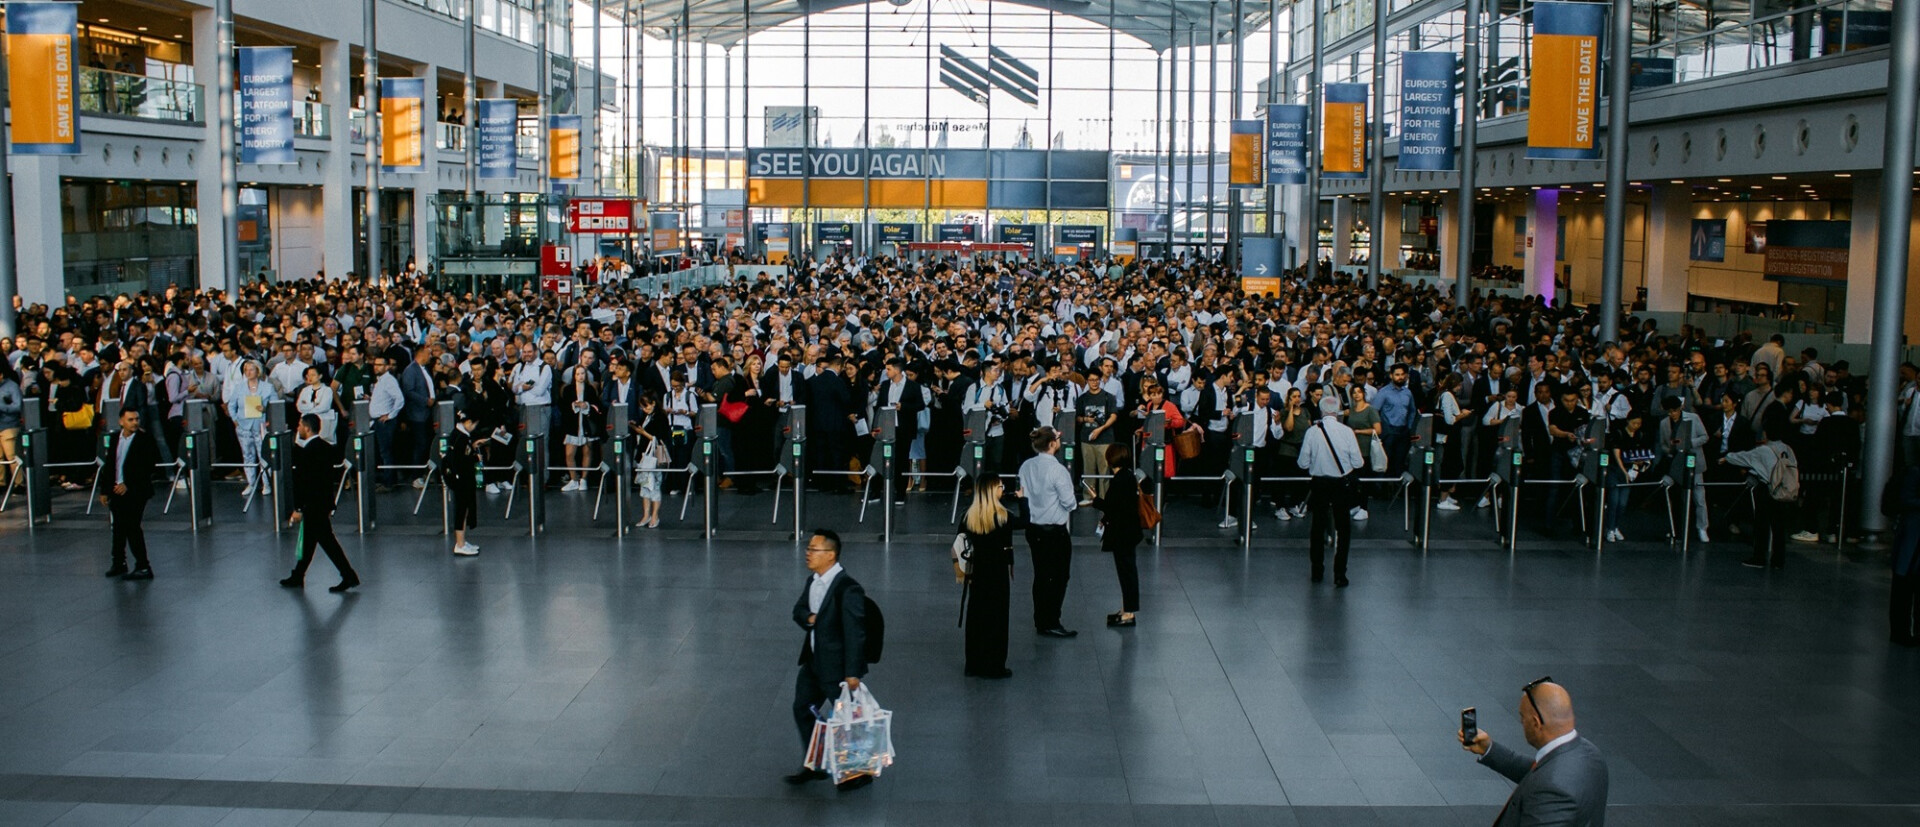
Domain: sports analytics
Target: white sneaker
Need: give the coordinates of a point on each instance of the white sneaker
(1615, 536)
(1230, 522)
(1300, 510)
(1447, 504)
(1357, 514)
(1833, 539)
(493, 488)
(180, 485)
(1704, 536)
(466, 549)
(506, 486)
(266, 489)
(1805, 537)
(1485, 502)
(1283, 514)
(247, 492)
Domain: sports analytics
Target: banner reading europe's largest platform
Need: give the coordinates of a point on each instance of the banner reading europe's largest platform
(1343, 138)
(1564, 91)
(1427, 111)
(1287, 144)
(496, 129)
(266, 104)
(403, 125)
(42, 74)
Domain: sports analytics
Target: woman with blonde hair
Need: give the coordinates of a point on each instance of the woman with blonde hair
(989, 528)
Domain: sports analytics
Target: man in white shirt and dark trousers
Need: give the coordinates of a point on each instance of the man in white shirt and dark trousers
(1047, 486)
(1330, 454)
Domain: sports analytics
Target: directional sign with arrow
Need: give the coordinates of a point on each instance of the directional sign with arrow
(1709, 240)
(1260, 265)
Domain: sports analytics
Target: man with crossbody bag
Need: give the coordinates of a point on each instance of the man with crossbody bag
(1331, 455)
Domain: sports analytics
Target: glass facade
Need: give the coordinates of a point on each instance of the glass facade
(127, 236)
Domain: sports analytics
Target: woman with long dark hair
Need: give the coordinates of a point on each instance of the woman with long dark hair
(1123, 531)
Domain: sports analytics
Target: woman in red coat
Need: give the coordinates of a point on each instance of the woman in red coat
(1154, 396)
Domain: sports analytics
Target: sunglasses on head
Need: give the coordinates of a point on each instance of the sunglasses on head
(1527, 692)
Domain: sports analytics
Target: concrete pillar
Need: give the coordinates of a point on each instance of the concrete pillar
(1863, 256)
(1389, 235)
(212, 250)
(1669, 247)
(1342, 231)
(1298, 225)
(1449, 241)
(426, 185)
(39, 257)
(336, 183)
(1543, 222)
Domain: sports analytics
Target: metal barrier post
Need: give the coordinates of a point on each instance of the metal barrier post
(279, 461)
(885, 430)
(1595, 466)
(1420, 465)
(792, 463)
(33, 453)
(973, 455)
(1240, 466)
(366, 455)
(706, 426)
(201, 419)
(1156, 431)
(534, 457)
(621, 462)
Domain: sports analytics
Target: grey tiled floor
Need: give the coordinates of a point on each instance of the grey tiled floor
(574, 679)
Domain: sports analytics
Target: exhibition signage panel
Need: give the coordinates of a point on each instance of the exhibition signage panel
(1287, 144)
(43, 77)
(1808, 250)
(1708, 241)
(1343, 140)
(600, 215)
(566, 136)
(266, 104)
(403, 125)
(1427, 111)
(1565, 86)
(1243, 164)
(497, 130)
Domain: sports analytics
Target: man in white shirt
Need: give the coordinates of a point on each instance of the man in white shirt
(384, 407)
(1047, 486)
(1330, 454)
(532, 379)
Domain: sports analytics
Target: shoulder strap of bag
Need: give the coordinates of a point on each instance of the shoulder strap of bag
(1330, 449)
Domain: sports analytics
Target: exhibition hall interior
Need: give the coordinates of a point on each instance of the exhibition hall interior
(581, 412)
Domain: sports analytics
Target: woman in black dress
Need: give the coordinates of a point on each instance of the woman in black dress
(1121, 509)
(989, 527)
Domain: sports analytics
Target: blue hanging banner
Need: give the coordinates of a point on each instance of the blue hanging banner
(266, 104)
(496, 127)
(1427, 112)
(1287, 144)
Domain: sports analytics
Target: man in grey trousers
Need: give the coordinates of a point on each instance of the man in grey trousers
(1564, 781)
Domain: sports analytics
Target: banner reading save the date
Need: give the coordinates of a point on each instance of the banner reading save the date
(1565, 87)
(1343, 140)
(41, 72)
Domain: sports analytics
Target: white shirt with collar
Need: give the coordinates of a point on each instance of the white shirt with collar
(817, 594)
(1554, 744)
(120, 458)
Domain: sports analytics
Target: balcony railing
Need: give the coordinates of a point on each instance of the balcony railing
(312, 120)
(451, 137)
(137, 96)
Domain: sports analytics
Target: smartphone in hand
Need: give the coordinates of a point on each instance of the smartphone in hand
(1469, 725)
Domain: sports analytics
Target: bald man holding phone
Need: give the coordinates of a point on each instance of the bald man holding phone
(1563, 781)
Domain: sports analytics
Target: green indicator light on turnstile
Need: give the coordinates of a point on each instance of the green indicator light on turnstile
(190, 442)
(887, 450)
(1516, 459)
(1603, 460)
(1427, 457)
(1249, 455)
(979, 452)
(356, 444)
(706, 449)
(796, 449)
(1689, 462)
(619, 448)
(529, 447)
(1159, 454)
(443, 445)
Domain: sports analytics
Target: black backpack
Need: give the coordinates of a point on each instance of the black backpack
(876, 631)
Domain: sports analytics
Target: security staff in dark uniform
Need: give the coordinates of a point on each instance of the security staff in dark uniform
(315, 480)
(461, 479)
(131, 455)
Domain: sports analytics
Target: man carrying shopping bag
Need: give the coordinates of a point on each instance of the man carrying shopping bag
(833, 611)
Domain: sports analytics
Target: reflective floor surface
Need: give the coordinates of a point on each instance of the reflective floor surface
(576, 679)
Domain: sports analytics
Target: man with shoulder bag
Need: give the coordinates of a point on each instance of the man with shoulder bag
(1331, 456)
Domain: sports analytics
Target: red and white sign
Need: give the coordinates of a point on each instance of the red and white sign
(562, 285)
(556, 260)
(600, 215)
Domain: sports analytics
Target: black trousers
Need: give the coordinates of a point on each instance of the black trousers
(1128, 570)
(989, 600)
(127, 532)
(1770, 521)
(1328, 500)
(1901, 609)
(419, 442)
(808, 696)
(465, 504)
(317, 530)
(1052, 549)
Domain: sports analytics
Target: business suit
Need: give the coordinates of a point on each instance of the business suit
(315, 479)
(1567, 787)
(133, 478)
(906, 426)
(835, 648)
(417, 387)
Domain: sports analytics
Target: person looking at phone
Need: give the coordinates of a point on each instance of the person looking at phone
(1564, 782)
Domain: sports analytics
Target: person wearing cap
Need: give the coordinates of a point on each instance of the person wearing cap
(315, 481)
(1331, 456)
(461, 479)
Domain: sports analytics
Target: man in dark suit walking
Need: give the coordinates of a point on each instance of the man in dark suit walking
(833, 611)
(315, 480)
(131, 455)
(1564, 781)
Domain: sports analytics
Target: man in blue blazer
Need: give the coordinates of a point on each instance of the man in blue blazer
(1563, 781)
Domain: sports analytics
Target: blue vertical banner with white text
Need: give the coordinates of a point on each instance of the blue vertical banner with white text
(1287, 144)
(1427, 112)
(497, 129)
(266, 104)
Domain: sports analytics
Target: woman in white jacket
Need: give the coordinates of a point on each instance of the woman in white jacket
(316, 398)
(247, 403)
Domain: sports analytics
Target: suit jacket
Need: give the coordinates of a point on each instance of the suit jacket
(630, 400)
(1568, 786)
(838, 649)
(142, 455)
(315, 479)
(1534, 439)
(831, 402)
(1741, 439)
(415, 386)
(770, 386)
(907, 424)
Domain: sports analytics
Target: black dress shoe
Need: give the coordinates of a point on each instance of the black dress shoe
(1908, 641)
(1340, 581)
(117, 571)
(997, 675)
(344, 585)
(293, 583)
(1318, 576)
(142, 573)
(853, 783)
(1122, 622)
(1059, 631)
(1754, 563)
(805, 776)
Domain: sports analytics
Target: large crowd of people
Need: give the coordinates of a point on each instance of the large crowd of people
(936, 340)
